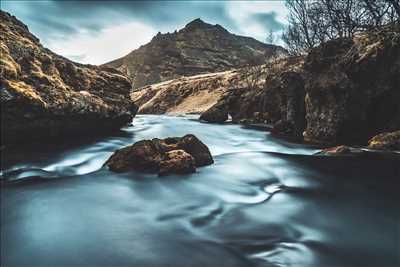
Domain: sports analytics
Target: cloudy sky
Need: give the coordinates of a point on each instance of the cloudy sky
(99, 31)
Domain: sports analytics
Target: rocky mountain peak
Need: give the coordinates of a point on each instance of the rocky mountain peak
(198, 48)
(197, 24)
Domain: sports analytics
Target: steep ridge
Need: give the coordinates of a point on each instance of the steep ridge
(197, 48)
(45, 95)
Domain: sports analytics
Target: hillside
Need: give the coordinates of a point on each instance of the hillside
(193, 94)
(197, 48)
(45, 95)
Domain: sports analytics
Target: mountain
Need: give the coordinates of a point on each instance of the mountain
(197, 48)
(46, 95)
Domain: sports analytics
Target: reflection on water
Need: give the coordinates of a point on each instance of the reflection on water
(253, 207)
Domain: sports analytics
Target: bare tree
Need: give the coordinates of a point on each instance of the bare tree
(396, 6)
(252, 75)
(312, 22)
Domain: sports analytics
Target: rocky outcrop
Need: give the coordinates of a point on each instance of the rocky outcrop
(163, 156)
(278, 102)
(385, 141)
(44, 95)
(343, 92)
(197, 48)
(353, 87)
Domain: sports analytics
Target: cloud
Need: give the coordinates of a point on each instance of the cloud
(80, 29)
(269, 20)
(108, 44)
(258, 18)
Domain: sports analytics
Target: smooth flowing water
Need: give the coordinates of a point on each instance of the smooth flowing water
(265, 202)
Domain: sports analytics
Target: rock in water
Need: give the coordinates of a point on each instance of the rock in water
(385, 141)
(215, 115)
(46, 95)
(163, 156)
(340, 151)
(177, 161)
(141, 156)
(192, 145)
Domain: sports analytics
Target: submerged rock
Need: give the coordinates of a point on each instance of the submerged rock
(163, 156)
(340, 150)
(385, 141)
(365, 152)
(44, 95)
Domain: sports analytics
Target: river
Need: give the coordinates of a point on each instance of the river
(265, 202)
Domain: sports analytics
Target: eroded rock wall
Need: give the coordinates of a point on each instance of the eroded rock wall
(45, 95)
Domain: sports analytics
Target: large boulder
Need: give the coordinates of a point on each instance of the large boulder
(177, 161)
(215, 114)
(141, 156)
(44, 95)
(385, 141)
(192, 145)
(162, 156)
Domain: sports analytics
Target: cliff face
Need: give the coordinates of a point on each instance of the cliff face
(353, 87)
(197, 48)
(46, 95)
(343, 92)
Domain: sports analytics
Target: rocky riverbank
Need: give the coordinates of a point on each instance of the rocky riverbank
(44, 95)
(343, 92)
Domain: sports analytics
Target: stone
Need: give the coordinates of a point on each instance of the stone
(200, 152)
(178, 162)
(141, 156)
(385, 141)
(340, 151)
(214, 115)
(163, 156)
